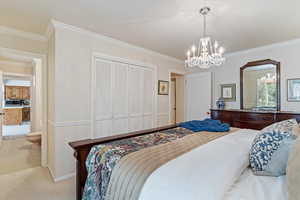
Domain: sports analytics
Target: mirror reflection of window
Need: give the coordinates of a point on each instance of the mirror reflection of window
(266, 91)
(260, 87)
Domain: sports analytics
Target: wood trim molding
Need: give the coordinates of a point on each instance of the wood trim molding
(70, 123)
(163, 115)
(23, 34)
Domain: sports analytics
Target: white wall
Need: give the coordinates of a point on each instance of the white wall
(70, 77)
(287, 53)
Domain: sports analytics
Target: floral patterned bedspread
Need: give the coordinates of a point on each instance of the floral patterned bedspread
(103, 158)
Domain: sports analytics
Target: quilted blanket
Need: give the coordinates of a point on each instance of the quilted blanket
(117, 170)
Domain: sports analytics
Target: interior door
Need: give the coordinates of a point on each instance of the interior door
(198, 101)
(180, 94)
(1, 104)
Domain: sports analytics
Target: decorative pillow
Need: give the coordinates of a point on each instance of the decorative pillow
(293, 175)
(283, 126)
(269, 153)
(278, 163)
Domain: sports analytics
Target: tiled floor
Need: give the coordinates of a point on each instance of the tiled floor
(18, 154)
(16, 130)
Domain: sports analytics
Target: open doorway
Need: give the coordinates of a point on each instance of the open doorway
(176, 98)
(16, 105)
(21, 122)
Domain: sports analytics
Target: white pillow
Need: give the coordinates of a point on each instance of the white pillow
(293, 175)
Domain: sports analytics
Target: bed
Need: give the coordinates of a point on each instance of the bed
(207, 165)
(249, 187)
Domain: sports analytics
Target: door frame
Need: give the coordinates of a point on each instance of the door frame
(97, 55)
(183, 73)
(43, 58)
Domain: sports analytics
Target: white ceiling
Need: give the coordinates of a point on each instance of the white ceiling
(165, 26)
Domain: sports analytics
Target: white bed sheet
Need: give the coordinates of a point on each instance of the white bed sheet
(251, 187)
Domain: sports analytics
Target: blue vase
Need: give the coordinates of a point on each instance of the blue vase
(220, 104)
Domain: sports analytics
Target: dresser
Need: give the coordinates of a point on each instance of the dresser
(252, 119)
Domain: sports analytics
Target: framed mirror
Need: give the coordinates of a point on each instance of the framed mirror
(260, 86)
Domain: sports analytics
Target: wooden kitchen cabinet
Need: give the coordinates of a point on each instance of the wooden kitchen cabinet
(17, 92)
(13, 92)
(26, 114)
(26, 93)
(12, 116)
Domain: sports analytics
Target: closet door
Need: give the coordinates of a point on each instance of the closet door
(120, 98)
(103, 102)
(148, 100)
(136, 86)
(124, 98)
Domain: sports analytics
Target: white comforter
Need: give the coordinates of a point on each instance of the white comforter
(206, 173)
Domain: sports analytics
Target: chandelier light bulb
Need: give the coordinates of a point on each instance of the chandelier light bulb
(216, 44)
(209, 52)
(221, 50)
(193, 48)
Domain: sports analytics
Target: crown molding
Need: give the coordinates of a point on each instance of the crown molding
(50, 29)
(18, 64)
(23, 34)
(58, 24)
(263, 48)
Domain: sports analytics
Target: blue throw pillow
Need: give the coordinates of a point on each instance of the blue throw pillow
(269, 153)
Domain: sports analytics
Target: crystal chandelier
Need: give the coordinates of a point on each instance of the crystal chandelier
(208, 53)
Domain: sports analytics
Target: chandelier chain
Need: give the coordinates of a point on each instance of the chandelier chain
(204, 25)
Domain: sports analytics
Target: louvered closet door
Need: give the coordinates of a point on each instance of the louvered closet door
(124, 99)
(148, 98)
(136, 87)
(120, 98)
(103, 103)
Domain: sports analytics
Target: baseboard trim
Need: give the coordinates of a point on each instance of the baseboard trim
(62, 178)
(51, 173)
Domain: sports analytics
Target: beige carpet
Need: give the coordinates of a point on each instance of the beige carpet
(35, 184)
(18, 154)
